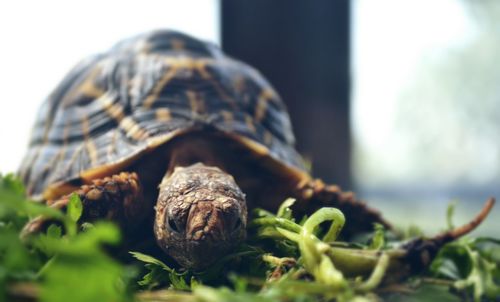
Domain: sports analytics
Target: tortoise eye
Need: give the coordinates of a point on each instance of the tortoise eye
(237, 225)
(171, 225)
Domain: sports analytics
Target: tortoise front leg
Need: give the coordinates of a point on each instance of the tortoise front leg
(359, 216)
(118, 198)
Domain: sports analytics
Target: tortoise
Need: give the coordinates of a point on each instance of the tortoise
(167, 135)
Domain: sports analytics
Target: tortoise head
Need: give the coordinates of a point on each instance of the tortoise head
(201, 214)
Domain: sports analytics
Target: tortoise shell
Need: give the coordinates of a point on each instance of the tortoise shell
(113, 108)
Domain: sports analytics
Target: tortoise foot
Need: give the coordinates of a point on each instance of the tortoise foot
(359, 216)
(118, 198)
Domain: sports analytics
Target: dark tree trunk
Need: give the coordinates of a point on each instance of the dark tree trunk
(302, 47)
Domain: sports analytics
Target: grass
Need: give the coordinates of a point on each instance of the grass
(285, 258)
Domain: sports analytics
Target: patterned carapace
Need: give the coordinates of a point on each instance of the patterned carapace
(113, 107)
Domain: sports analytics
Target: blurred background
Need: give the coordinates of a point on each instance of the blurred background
(396, 100)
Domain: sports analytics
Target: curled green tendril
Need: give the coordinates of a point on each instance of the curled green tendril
(377, 275)
(322, 215)
(316, 254)
(312, 249)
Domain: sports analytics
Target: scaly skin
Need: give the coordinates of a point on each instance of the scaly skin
(316, 194)
(118, 197)
(201, 214)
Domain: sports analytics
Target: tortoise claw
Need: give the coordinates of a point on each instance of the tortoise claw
(359, 216)
(118, 198)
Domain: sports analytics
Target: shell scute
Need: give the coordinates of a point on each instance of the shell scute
(112, 107)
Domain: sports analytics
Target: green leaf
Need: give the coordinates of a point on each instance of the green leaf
(452, 262)
(149, 259)
(155, 277)
(160, 273)
(75, 207)
(11, 183)
(91, 277)
(378, 240)
(84, 243)
(81, 266)
(54, 231)
(15, 208)
(473, 266)
(178, 282)
(284, 210)
(424, 293)
(450, 211)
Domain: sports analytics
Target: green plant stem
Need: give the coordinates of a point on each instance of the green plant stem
(277, 222)
(322, 215)
(45, 267)
(377, 274)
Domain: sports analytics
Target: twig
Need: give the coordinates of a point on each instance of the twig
(448, 236)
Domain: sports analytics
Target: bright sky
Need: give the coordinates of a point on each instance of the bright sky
(390, 39)
(42, 40)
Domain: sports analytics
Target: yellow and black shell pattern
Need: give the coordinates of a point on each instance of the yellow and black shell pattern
(113, 107)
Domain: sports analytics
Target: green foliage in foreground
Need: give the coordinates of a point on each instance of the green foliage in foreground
(283, 260)
(67, 267)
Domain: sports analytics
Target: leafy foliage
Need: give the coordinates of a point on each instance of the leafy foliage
(160, 273)
(473, 264)
(282, 260)
(67, 266)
